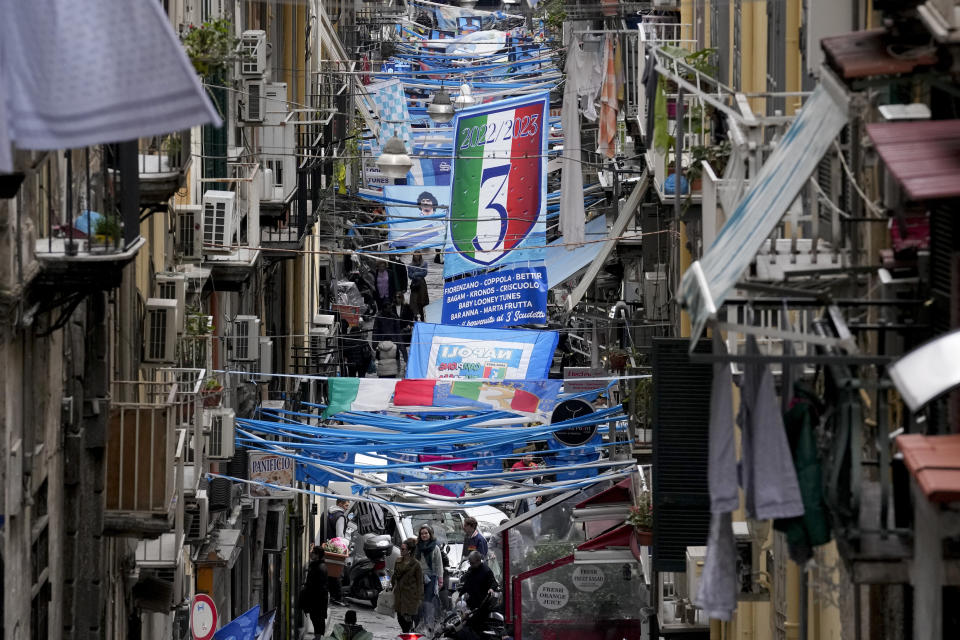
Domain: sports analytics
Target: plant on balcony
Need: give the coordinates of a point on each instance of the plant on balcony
(716, 154)
(107, 231)
(211, 47)
(212, 392)
(173, 145)
(641, 515)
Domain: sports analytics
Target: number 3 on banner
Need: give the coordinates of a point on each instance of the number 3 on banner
(489, 174)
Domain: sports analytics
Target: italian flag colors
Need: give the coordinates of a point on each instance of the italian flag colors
(378, 394)
(497, 174)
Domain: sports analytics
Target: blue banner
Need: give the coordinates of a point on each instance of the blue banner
(503, 298)
(442, 351)
(417, 215)
(317, 477)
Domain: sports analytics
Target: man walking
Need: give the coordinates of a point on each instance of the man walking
(473, 540)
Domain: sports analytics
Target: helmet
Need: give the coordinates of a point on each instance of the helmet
(427, 198)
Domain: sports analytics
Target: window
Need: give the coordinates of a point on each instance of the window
(276, 166)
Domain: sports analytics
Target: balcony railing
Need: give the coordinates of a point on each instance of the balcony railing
(142, 461)
(162, 162)
(92, 223)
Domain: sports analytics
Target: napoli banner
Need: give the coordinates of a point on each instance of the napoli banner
(416, 215)
(503, 298)
(499, 185)
(441, 351)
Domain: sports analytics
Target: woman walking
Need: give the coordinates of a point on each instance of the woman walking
(417, 273)
(314, 596)
(431, 564)
(407, 585)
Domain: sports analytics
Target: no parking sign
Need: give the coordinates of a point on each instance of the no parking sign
(203, 617)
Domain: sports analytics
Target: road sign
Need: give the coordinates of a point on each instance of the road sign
(203, 617)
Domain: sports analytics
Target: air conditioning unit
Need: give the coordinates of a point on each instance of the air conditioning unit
(275, 105)
(219, 218)
(245, 338)
(189, 239)
(199, 511)
(160, 331)
(173, 287)
(266, 360)
(219, 431)
(253, 102)
(253, 53)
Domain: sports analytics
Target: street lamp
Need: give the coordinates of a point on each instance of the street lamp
(394, 161)
(465, 99)
(441, 108)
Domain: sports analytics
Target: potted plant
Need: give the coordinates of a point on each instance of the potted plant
(211, 47)
(641, 515)
(174, 146)
(716, 154)
(212, 393)
(107, 232)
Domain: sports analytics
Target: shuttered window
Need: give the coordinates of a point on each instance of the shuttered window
(681, 412)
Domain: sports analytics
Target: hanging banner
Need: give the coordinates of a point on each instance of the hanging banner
(275, 468)
(318, 477)
(503, 298)
(441, 351)
(535, 397)
(499, 185)
(417, 216)
(391, 103)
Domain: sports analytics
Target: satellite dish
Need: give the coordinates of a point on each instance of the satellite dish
(568, 410)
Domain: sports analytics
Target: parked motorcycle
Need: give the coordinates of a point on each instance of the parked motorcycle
(455, 627)
(367, 576)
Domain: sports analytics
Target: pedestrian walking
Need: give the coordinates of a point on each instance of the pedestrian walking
(407, 585)
(314, 596)
(388, 359)
(419, 296)
(431, 566)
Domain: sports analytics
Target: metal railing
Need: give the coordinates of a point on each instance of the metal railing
(141, 463)
(164, 155)
(88, 202)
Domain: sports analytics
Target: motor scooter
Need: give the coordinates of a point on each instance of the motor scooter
(456, 625)
(367, 576)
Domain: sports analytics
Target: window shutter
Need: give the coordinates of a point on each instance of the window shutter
(681, 414)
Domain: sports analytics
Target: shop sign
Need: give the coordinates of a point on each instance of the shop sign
(568, 410)
(275, 468)
(572, 385)
(552, 595)
(588, 578)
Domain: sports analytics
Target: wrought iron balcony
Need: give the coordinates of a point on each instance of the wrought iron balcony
(163, 162)
(89, 230)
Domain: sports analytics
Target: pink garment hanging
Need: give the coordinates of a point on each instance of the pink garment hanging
(609, 105)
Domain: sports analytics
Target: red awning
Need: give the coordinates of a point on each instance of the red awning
(862, 54)
(935, 462)
(618, 493)
(924, 157)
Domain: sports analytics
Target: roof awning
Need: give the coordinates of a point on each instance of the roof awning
(709, 281)
(561, 264)
(222, 550)
(924, 157)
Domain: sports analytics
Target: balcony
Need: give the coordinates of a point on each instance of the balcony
(145, 458)
(159, 561)
(163, 162)
(287, 233)
(89, 231)
(232, 263)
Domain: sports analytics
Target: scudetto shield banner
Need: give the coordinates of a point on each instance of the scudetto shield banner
(499, 185)
(441, 351)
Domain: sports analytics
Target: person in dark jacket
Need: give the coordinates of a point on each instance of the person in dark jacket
(315, 596)
(399, 271)
(403, 320)
(407, 585)
(419, 296)
(477, 585)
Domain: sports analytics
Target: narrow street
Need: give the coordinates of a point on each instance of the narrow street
(624, 320)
